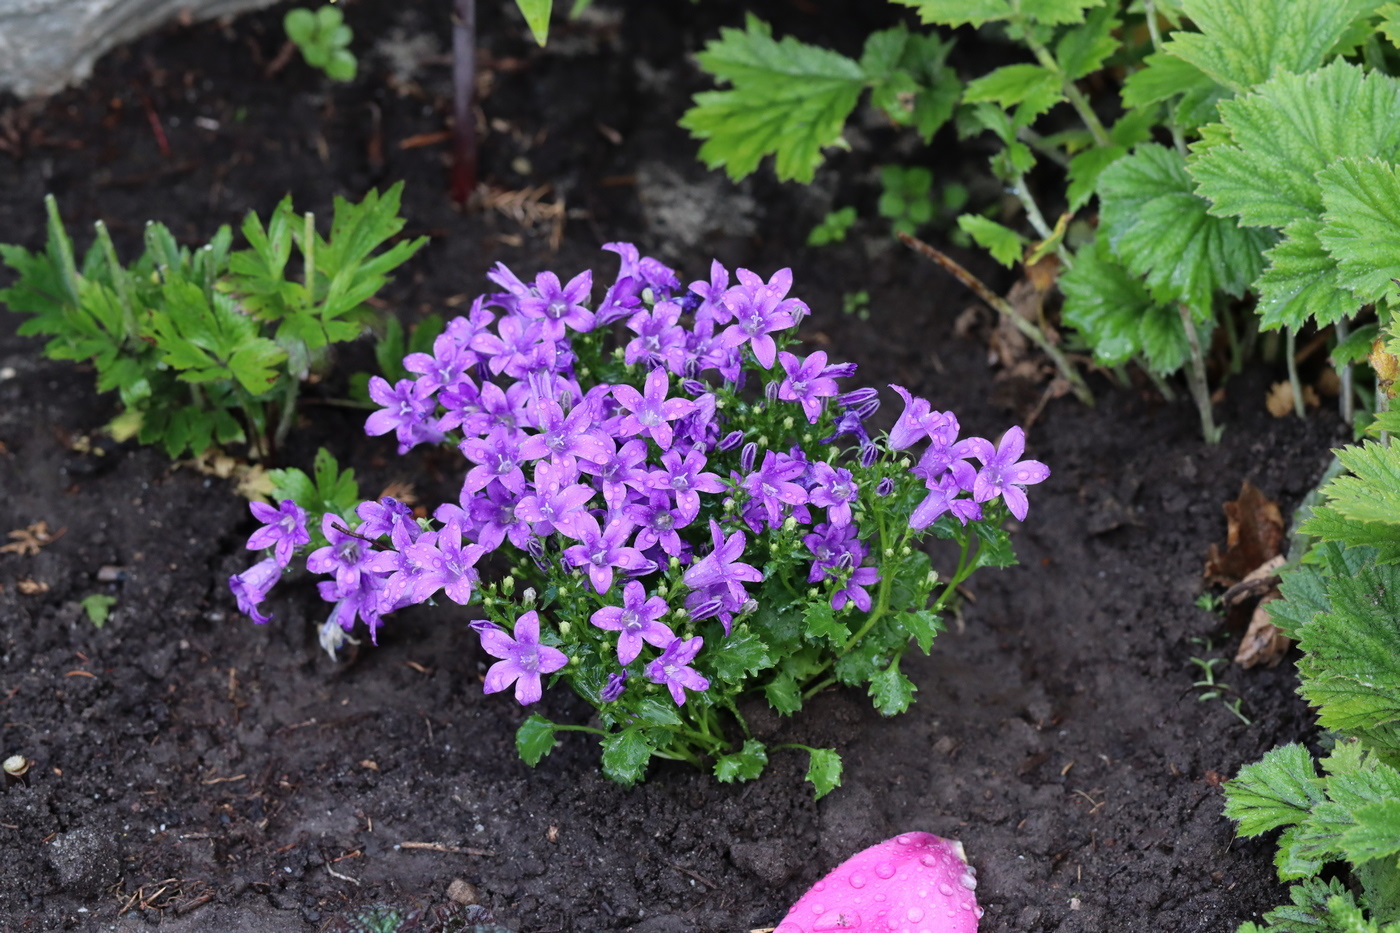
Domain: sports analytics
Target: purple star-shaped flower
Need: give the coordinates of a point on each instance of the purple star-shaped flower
(759, 310)
(1004, 473)
(602, 549)
(834, 489)
(636, 621)
(283, 530)
(651, 412)
(660, 340)
(722, 567)
(559, 306)
(345, 555)
(657, 523)
(673, 669)
(682, 476)
(405, 408)
(622, 469)
(523, 658)
(773, 485)
(807, 382)
(556, 503)
(447, 563)
(498, 458)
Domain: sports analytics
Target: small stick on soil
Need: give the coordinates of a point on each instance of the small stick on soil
(442, 847)
(1003, 307)
(700, 878)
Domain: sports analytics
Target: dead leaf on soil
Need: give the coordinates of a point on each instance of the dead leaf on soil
(528, 208)
(1280, 399)
(251, 480)
(31, 587)
(1254, 534)
(1264, 643)
(1257, 584)
(29, 540)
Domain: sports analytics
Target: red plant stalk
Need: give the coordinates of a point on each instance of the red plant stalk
(463, 100)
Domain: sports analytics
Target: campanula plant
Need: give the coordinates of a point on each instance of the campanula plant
(684, 511)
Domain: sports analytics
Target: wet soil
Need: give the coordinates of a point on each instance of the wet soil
(197, 772)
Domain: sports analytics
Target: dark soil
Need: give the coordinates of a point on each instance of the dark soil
(199, 772)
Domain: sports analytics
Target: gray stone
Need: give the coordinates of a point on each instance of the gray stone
(45, 45)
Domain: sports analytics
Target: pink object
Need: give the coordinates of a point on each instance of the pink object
(913, 883)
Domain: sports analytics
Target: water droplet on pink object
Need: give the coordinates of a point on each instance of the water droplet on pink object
(892, 887)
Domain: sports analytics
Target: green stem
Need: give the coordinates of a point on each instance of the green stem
(308, 250)
(119, 279)
(1149, 8)
(1296, 384)
(818, 688)
(1163, 387)
(567, 728)
(1196, 377)
(1076, 99)
(1348, 407)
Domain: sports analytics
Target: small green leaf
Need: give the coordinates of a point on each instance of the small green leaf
(1082, 49)
(1011, 84)
(1377, 833)
(98, 606)
(922, 625)
(821, 622)
(1301, 281)
(739, 655)
(744, 765)
(536, 13)
(783, 694)
(625, 755)
(535, 739)
(1361, 226)
(824, 770)
(1084, 171)
(891, 691)
(300, 26)
(1005, 244)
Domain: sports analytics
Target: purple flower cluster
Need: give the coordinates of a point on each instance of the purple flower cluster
(283, 530)
(618, 481)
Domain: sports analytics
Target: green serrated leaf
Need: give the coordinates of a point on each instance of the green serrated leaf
(625, 756)
(1348, 668)
(1377, 833)
(784, 694)
(98, 607)
(1117, 316)
(744, 765)
(1280, 790)
(1005, 244)
(1082, 50)
(1361, 226)
(1242, 43)
(821, 623)
(787, 99)
(980, 12)
(1367, 493)
(823, 770)
(741, 654)
(922, 625)
(1161, 230)
(535, 739)
(1012, 84)
(1356, 347)
(891, 691)
(1301, 281)
(1084, 171)
(1288, 130)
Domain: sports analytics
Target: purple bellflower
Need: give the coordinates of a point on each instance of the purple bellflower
(252, 585)
(651, 412)
(559, 306)
(807, 382)
(283, 530)
(601, 549)
(523, 658)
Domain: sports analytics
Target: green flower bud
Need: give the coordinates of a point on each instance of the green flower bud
(508, 585)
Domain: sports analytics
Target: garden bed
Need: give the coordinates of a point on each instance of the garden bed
(197, 771)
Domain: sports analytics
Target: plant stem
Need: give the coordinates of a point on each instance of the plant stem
(463, 101)
(1076, 99)
(1149, 8)
(1296, 384)
(1196, 377)
(1163, 387)
(1003, 307)
(1348, 406)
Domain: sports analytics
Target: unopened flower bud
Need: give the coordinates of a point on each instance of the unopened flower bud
(564, 628)
(527, 598)
(748, 455)
(749, 608)
(869, 453)
(812, 592)
(770, 391)
(614, 688)
(731, 440)
(508, 585)
(905, 551)
(694, 386)
(788, 423)
(889, 552)
(884, 487)
(674, 563)
(789, 523)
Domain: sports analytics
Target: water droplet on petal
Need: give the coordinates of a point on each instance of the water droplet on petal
(818, 908)
(858, 880)
(884, 870)
(905, 839)
(945, 889)
(845, 919)
(819, 886)
(966, 905)
(979, 911)
(915, 915)
(969, 881)
(929, 861)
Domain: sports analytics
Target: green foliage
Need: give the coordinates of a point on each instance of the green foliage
(906, 197)
(536, 13)
(324, 40)
(824, 770)
(535, 739)
(209, 347)
(98, 607)
(833, 228)
(1341, 604)
(328, 491)
(791, 100)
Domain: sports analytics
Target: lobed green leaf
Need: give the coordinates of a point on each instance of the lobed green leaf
(535, 739)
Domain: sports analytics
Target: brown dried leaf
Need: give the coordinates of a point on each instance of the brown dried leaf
(31, 587)
(1254, 535)
(1256, 584)
(1280, 399)
(28, 541)
(1264, 642)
